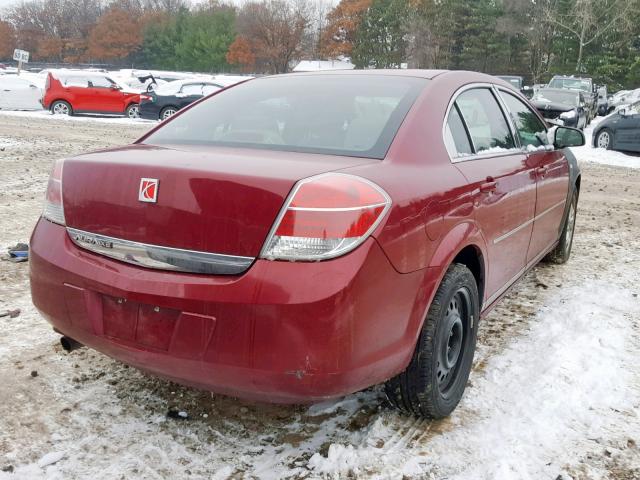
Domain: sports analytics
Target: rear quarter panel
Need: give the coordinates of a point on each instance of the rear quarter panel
(432, 217)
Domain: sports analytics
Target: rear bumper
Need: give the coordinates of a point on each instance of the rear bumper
(281, 332)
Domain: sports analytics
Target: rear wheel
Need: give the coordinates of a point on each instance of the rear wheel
(60, 107)
(605, 139)
(433, 383)
(562, 252)
(168, 112)
(133, 111)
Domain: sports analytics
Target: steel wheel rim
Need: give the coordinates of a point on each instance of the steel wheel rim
(169, 112)
(571, 222)
(451, 349)
(60, 109)
(603, 140)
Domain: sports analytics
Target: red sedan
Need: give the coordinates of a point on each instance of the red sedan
(301, 237)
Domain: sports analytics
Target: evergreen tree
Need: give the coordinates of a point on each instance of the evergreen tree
(381, 39)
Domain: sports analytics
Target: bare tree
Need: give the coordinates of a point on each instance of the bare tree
(275, 30)
(588, 20)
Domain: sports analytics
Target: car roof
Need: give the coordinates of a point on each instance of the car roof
(396, 72)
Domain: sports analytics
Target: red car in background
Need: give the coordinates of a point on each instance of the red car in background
(69, 92)
(301, 237)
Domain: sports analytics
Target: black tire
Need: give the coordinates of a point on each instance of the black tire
(605, 132)
(445, 343)
(562, 252)
(60, 107)
(166, 112)
(132, 111)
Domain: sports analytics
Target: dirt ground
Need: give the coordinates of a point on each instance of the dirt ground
(81, 414)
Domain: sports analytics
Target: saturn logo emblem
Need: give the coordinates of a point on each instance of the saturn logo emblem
(148, 190)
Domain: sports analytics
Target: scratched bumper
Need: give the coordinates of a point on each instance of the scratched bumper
(280, 332)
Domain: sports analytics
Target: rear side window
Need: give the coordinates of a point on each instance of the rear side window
(74, 81)
(485, 121)
(101, 82)
(529, 127)
(353, 115)
(456, 138)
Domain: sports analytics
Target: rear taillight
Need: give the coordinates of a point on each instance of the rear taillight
(326, 216)
(53, 209)
(146, 98)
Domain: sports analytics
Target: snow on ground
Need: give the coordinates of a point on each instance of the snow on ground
(554, 393)
(606, 157)
(541, 396)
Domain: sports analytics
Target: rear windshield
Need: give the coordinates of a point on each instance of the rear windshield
(571, 84)
(333, 114)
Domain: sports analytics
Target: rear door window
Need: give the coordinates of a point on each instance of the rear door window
(456, 138)
(485, 121)
(531, 130)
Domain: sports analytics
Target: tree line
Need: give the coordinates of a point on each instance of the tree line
(520, 37)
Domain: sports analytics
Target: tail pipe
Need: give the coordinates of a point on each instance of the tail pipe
(69, 344)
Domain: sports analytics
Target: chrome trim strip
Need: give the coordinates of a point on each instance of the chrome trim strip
(527, 223)
(161, 258)
(336, 209)
(514, 231)
(479, 156)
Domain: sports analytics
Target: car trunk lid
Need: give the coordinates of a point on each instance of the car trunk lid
(218, 200)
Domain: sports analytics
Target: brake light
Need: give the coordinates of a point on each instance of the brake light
(53, 209)
(326, 216)
(146, 98)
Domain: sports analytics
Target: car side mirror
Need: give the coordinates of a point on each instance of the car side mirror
(568, 137)
(622, 112)
(116, 87)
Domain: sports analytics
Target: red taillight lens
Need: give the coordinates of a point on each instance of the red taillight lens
(326, 216)
(53, 209)
(146, 98)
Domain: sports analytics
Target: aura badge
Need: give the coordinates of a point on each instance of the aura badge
(148, 190)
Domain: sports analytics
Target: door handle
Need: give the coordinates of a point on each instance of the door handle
(489, 186)
(542, 171)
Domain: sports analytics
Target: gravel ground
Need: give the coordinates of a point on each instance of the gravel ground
(555, 391)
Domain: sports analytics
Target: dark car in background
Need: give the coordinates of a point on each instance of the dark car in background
(169, 98)
(566, 107)
(515, 81)
(620, 130)
(582, 84)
